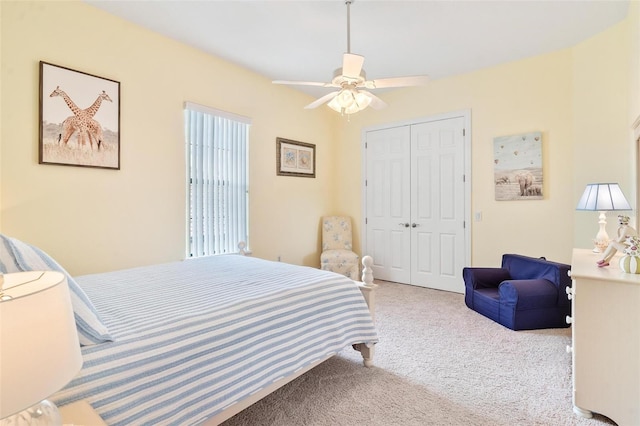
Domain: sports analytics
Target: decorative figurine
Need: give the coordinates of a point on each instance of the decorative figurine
(624, 231)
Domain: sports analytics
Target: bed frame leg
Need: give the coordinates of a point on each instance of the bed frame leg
(367, 353)
(368, 289)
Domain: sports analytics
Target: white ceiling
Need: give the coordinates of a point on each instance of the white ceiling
(305, 40)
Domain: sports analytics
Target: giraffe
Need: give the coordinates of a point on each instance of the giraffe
(71, 124)
(91, 111)
(72, 106)
(82, 120)
(95, 130)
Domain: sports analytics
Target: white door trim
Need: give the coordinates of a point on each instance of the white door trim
(466, 115)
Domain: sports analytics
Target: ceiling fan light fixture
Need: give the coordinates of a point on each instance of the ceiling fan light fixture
(363, 99)
(336, 105)
(349, 101)
(345, 98)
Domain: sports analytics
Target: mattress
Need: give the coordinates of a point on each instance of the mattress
(195, 337)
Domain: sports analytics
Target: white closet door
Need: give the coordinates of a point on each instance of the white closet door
(437, 204)
(388, 203)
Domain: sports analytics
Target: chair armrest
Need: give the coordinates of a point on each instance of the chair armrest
(528, 293)
(484, 277)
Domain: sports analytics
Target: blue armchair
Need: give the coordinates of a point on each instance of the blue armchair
(526, 293)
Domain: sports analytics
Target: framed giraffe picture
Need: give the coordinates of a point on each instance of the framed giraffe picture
(79, 118)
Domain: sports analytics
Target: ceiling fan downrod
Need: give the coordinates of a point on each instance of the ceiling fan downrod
(348, 3)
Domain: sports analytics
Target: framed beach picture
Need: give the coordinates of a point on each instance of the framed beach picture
(79, 118)
(295, 158)
(518, 167)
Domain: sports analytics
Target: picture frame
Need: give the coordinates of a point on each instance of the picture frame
(518, 173)
(295, 158)
(79, 118)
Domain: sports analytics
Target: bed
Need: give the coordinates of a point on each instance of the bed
(197, 341)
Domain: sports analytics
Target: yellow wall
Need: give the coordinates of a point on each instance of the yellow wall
(603, 148)
(634, 60)
(94, 220)
(634, 91)
(1, 87)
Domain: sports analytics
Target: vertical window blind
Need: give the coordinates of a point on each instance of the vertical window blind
(218, 180)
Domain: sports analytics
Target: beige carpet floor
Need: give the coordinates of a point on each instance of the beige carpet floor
(437, 363)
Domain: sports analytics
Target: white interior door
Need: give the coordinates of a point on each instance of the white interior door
(417, 202)
(437, 204)
(388, 203)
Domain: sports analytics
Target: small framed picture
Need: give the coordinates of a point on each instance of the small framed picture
(295, 158)
(79, 118)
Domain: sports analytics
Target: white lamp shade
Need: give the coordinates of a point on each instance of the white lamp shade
(39, 348)
(603, 197)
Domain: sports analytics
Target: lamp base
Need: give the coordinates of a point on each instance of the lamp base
(44, 413)
(602, 238)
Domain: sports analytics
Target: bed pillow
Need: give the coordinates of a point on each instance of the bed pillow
(17, 256)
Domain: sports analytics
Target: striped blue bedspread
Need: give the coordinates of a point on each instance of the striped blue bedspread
(195, 337)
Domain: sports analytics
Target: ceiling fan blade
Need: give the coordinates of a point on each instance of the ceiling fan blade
(376, 102)
(383, 83)
(352, 65)
(304, 83)
(322, 100)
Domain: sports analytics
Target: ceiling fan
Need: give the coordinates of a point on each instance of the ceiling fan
(351, 80)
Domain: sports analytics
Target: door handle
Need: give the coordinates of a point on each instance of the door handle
(406, 225)
(414, 225)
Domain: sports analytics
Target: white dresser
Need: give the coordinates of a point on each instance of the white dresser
(605, 321)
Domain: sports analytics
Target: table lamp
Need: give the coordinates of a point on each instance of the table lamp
(39, 348)
(602, 197)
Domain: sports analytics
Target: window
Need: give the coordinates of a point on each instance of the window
(217, 179)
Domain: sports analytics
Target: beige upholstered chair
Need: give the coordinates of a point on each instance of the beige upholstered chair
(337, 255)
